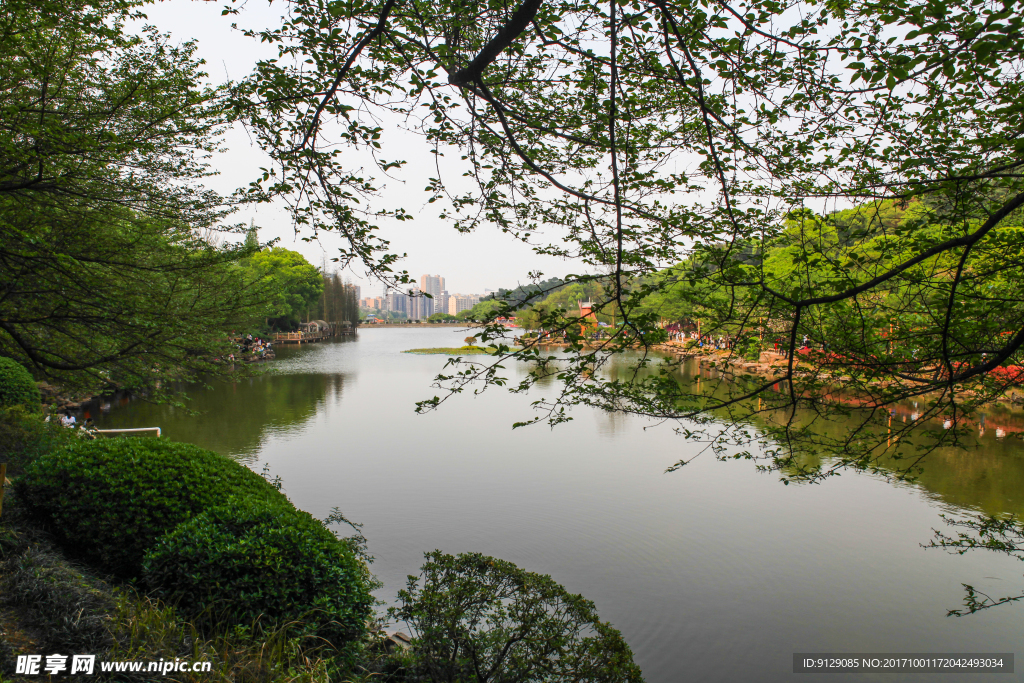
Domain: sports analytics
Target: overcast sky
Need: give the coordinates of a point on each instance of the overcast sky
(471, 263)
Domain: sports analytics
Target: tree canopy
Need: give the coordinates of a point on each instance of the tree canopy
(477, 618)
(874, 150)
(338, 301)
(294, 283)
(110, 273)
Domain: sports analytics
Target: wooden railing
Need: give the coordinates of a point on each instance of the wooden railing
(301, 337)
(128, 431)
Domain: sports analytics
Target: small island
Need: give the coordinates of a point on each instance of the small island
(453, 350)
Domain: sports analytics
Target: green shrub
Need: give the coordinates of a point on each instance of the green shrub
(251, 563)
(17, 386)
(110, 500)
(750, 348)
(25, 436)
(477, 619)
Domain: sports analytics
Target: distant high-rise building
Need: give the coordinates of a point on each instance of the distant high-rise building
(461, 302)
(419, 307)
(397, 302)
(372, 303)
(434, 286)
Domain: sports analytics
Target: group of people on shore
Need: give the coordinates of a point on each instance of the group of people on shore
(253, 348)
(727, 342)
(71, 422)
(722, 342)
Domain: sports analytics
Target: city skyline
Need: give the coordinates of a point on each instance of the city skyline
(414, 303)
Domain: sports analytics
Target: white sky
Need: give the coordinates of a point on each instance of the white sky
(470, 263)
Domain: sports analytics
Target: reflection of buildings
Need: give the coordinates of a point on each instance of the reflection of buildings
(986, 472)
(610, 423)
(1003, 421)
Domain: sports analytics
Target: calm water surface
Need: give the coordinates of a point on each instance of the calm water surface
(712, 573)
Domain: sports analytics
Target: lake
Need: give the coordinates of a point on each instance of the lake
(715, 572)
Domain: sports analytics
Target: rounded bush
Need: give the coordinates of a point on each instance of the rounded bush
(110, 500)
(252, 563)
(17, 386)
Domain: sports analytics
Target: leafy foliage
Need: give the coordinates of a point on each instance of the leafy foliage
(476, 618)
(25, 436)
(483, 310)
(848, 172)
(108, 258)
(249, 562)
(337, 301)
(17, 386)
(110, 500)
(524, 294)
(63, 606)
(450, 350)
(1004, 535)
(295, 284)
(71, 610)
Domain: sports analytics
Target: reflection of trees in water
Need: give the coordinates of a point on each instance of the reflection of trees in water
(234, 418)
(610, 422)
(988, 478)
(986, 474)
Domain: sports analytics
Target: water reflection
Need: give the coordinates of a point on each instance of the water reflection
(716, 572)
(610, 423)
(985, 473)
(234, 418)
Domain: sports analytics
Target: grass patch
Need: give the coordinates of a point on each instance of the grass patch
(453, 351)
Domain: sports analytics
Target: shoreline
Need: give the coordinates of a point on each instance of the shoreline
(770, 364)
(55, 398)
(455, 326)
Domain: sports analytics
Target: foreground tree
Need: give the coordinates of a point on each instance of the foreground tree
(109, 271)
(476, 618)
